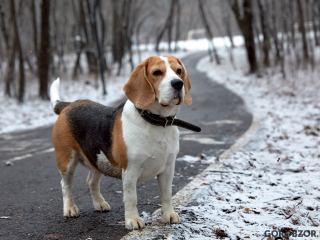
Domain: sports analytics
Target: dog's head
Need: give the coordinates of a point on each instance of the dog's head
(162, 79)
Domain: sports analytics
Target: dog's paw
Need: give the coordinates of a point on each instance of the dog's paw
(71, 212)
(102, 206)
(170, 217)
(134, 223)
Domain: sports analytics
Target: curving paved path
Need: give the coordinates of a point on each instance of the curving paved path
(30, 193)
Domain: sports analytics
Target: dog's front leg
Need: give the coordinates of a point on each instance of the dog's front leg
(132, 218)
(165, 185)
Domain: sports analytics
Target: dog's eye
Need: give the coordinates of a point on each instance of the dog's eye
(179, 71)
(157, 73)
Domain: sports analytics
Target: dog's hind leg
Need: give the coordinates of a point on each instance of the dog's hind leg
(69, 207)
(93, 181)
(67, 155)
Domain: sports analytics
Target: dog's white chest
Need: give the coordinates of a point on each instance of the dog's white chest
(158, 156)
(150, 149)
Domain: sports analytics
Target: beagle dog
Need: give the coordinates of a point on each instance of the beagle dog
(118, 142)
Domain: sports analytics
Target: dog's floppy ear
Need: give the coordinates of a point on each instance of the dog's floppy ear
(138, 88)
(186, 84)
(187, 87)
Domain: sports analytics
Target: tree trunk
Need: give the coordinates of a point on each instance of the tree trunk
(11, 67)
(245, 24)
(173, 3)
(19, 48)
(116, 34)
(275, 31)
(104, 92)
(103, 35)
(4, 28)
(302, 30)
(266, 39)
(126, 31)
(90, 43)
(225, 13)
(166, 26)
(315, 14)
(208, 30)
(44, 54)
(292, 22)
(35, 26)
(177, 25)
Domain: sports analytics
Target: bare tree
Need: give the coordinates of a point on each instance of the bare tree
(4, 27)
(167, 25)
(99, 48)
(178, 10)
(11, 67)
(208, 30)
(44, 54)
(226, 21)
(315, 14)
(245, 24)
(265, 33)
(35, 25)
(275, 30)
(302, 30)
(19, 48)
(292, 22)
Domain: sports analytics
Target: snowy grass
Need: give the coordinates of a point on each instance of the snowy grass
(35, 113)
(283, 158)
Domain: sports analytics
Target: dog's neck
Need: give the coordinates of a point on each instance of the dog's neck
(156, 108)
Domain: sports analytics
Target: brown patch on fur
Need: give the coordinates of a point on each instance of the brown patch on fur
(63, 142)
(142, 86)
(119, 147)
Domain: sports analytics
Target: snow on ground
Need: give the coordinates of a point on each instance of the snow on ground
(35, 113)
(275, 179)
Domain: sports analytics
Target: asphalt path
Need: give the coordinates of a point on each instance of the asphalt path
(30, 192)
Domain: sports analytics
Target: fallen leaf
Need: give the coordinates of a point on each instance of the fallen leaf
(205, 183)
(247, 210)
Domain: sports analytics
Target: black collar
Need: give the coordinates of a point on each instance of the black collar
(165, 121)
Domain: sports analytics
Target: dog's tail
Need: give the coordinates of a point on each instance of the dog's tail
(56, 104)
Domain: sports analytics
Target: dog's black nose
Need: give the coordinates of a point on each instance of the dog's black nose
(177, 84)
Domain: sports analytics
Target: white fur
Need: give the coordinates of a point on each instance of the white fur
(93, 180)
(151, 151)
(69, 207)
(54, 92)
